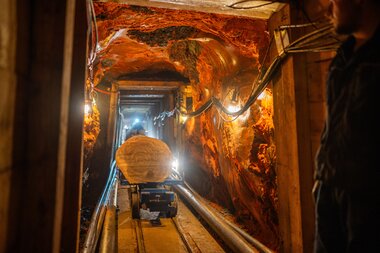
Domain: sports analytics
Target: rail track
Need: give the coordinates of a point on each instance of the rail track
(112, 222)
(183, 233)
(160, 238)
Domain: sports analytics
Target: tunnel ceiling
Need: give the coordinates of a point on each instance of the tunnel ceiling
(187, 45)
(254, 9)
(131, 103)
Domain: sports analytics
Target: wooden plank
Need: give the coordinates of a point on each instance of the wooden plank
(286, 139)
(37, 190)
(19, 134)
(69, 241)
(39, 91)
(299, 112)
(148, 85)
(7, 102)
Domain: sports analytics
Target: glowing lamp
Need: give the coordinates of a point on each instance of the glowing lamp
(183, 118)
(87, 107)
(175, 163)
(233, 108)
(262, 95)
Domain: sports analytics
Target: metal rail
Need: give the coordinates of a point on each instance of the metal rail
(139, 236)
(136, 224)
(190, 245)
(234, 237)
(108, 242)
(99, 213)
(257, 244)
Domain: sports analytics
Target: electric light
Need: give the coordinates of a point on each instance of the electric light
(175, 163)
(233, 108)
(183, 119)
(262, 95)
(87, 107)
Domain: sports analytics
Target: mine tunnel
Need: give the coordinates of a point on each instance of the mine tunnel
(235, 90)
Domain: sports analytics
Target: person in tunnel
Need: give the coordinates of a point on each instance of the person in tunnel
(346, 189)
(136, 129)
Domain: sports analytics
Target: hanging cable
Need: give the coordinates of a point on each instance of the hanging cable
(234, 5)
(104, 92)
(311, 42)
(92, 32)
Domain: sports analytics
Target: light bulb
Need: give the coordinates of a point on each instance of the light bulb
(87, 109)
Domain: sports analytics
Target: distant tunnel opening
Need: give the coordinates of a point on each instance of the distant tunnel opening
(144, 105)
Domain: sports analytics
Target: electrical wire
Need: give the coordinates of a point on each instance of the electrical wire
(92, 26)
(224, 118)
(221, 114)
(199, 111)
(104, 92)
(262, 65)
(313, 23)
(282, 27)
(233, 6)
(92, 29)
(95, 24)
(310, 42)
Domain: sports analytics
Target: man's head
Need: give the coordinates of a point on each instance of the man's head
(348, 15)
(138, 128)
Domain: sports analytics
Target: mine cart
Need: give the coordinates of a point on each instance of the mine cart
(157, 198)
(147, 168)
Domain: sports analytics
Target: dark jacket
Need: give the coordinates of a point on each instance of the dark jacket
(349, 154)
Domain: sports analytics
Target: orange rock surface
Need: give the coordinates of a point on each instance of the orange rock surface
(230, 162)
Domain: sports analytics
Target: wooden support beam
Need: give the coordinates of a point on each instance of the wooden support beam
(45, 177)
(7, 102)
(299, 113)
(149, 85)
(286, 138)
(76, 27)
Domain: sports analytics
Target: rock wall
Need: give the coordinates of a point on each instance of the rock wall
(229, 161)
